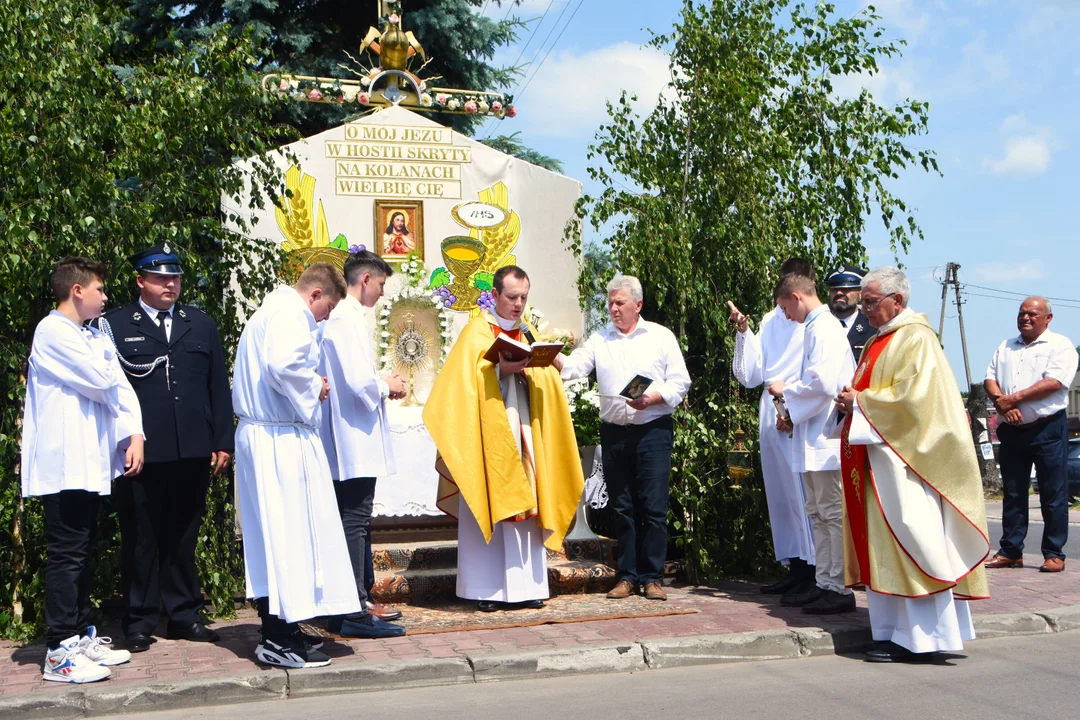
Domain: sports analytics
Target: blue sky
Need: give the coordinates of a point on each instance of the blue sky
(1003, 81)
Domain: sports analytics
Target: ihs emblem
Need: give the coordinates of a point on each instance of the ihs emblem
(136, 316)
(859, 327)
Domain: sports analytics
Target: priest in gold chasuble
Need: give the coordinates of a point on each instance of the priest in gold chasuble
(914, 517)
(508, 460)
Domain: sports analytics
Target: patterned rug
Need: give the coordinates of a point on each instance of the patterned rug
(462, 615)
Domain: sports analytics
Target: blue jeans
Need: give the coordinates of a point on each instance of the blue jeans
(637, 468)
(1044, 443)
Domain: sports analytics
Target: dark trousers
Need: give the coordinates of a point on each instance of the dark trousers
(273, 627)
(160, 512)
(70, 528)
(1044, 444)
(637, 468)
(356, 498)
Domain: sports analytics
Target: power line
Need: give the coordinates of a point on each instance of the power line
(490, 124)
(557, 38)
(1020, 294)
(518, 93)
(1060, 303)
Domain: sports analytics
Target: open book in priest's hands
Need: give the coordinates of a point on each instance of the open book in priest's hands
(540, 354)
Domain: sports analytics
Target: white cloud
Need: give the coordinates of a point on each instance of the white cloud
(1026, 154)
(902, 14)
(566, 98)
(1015, 122)
(980, 67)
(888, 85)
(1006, 272)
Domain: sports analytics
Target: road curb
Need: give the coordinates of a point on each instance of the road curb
(90, 701)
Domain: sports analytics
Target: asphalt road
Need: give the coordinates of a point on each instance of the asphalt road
(1006, 679)
(1032, 554)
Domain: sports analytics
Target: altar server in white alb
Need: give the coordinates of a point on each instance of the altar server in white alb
(355, 431)
(775, 353)
(82, 428)
(827, 366)
(295, 556)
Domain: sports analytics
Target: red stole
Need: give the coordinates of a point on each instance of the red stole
(855, 465)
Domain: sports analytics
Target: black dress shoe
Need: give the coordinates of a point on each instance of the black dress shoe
(888, 652)
(803, 595)
(782, 586)
(529, 605)
(138, 642)
(490, 605)
(195, 632)
(831, 603)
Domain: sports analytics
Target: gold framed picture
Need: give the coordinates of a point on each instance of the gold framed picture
(399, 229)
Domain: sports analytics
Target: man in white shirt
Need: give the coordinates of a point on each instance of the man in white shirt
(775, 353)
(82, 428)
(635, 435)
(1028, 380)
(295, 558)
(827, 365)
(355, 432)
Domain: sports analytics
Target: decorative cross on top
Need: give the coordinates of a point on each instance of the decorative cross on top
(390, 81)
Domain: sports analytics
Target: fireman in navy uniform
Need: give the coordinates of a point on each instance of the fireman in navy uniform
(845, 286)
(176, 365)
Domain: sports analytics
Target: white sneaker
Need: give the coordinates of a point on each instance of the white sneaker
(97, 649)
(291, 652)
(67, 664)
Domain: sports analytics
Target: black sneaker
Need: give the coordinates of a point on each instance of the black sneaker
(290, 652)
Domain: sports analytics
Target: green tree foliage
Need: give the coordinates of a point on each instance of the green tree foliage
(312, 38)
(512, 145)
(749, 157)
(106, 148)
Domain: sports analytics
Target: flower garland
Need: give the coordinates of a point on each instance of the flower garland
(413, 290)
(347, 92)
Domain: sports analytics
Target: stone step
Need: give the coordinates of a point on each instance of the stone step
(441, 554)
(430, 586)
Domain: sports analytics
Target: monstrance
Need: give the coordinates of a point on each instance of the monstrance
(412, 353)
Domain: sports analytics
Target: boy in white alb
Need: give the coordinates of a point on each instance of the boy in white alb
(82, 428)
(827, 366)
(355, 431)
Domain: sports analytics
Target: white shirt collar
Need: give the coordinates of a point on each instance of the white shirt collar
(503, 322)
(904, 315)
(152, 313)
(1045, 337)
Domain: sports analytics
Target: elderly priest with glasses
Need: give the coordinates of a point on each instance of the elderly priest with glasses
(914, 519)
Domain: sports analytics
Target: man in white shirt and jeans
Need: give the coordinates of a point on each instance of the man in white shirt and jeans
(635, 435)
(1028, 380)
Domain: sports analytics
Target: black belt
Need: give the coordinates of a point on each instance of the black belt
(1041, 422)
(664, 421)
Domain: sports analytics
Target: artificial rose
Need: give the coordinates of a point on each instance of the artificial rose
(470, 107)
(393, 18)
(365, 81)
(363, 98)
(441, 98)
(284, 85)
(511, 111)
(453, 104)
(482, 106)
(425, 100)
(496, 106)
(314, 94)
(349, 96)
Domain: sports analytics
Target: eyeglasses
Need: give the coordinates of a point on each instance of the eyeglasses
(873, 303)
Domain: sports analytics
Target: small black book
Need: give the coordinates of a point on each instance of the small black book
(636, 387)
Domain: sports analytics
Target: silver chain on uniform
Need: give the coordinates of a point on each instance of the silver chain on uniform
(139, 370)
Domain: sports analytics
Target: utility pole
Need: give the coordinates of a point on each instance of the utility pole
(978, 400)
(944, 297)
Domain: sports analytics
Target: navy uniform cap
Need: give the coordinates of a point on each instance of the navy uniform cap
(160, 259)
(846, 276)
